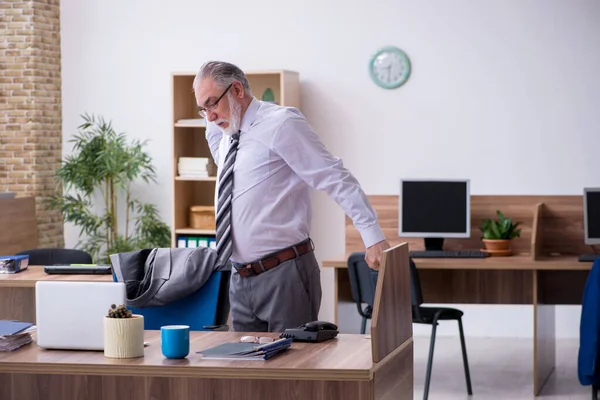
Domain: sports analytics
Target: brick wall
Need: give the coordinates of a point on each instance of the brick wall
(30, 107)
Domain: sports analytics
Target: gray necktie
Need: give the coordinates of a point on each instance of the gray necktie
(223, 218)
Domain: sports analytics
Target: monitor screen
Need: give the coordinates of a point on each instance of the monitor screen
(591, 211)
(434, 209)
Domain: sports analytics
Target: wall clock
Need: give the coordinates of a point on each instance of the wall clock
(389, 67)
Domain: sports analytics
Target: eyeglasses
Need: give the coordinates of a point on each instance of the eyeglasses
(256, 339)
(202, 111)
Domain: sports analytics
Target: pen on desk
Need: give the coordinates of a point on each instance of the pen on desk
(262, 346)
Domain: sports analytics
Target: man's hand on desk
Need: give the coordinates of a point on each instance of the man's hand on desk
(374, 253)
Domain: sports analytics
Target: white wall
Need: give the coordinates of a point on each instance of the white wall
(503, 92)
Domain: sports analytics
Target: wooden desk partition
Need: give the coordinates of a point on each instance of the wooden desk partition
(557, 222)
(19, 225)
(543, 272)
(391, 327)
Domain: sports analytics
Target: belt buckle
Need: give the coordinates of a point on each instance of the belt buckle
(247, 270)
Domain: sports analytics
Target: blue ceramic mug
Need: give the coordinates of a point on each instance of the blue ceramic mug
(175, 341)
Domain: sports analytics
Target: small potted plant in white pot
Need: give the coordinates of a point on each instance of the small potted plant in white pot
(497, 234)
(123, 333)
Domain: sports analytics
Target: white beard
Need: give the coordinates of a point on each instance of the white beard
(234, 120)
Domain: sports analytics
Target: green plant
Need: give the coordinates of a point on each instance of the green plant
(119, 312)
(104, 164)
(502, 228)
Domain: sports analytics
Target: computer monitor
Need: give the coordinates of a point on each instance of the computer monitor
(434, 210)
(591, 215)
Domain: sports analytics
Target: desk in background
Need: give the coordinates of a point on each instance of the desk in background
(17, 291)
(543, 273)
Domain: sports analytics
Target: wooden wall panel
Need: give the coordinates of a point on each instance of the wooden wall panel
(19, 225)
(478, 286)
(560, 223)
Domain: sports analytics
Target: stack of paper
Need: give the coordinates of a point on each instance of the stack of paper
(246, 351)
(14, 334)
(193, 167)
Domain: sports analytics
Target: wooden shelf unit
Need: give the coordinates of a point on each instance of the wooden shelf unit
(189, 140)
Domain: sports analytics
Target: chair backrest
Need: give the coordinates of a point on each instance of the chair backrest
(416, 295)
(207, 306)
(55, 256)
(363, 279)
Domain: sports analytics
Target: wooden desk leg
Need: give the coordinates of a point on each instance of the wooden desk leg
(544, 336)
(17, 303)
(336, 300)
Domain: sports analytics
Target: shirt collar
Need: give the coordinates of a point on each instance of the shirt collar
(250, 115)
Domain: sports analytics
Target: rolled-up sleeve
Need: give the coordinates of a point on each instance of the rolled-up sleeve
(299, 146)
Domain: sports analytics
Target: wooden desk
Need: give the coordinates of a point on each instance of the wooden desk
(17, 291)
(348, 367)
(534, 275)
(338, 369)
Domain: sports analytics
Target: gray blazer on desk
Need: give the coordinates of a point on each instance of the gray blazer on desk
(155, 277)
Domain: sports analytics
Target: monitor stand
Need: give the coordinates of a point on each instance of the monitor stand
(434, 244)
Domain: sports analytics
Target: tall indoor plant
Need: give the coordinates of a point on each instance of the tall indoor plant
(105, 164)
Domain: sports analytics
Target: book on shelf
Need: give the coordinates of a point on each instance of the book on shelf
(14, 334)
(246, 351)
(196, 241)
(192, 121)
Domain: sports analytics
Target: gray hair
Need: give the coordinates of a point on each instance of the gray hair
(224, 74)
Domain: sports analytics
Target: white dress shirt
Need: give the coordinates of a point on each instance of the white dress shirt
(279, 160)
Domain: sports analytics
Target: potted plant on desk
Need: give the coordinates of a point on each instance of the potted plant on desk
(498, 233)
(123, 333)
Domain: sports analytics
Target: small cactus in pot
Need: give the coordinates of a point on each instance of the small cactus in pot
(119, 312)
(123, 333)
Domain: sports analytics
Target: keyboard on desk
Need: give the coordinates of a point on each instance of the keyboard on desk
(448, 254)
(588, 257)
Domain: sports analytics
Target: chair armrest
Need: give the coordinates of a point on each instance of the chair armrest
(216, 327)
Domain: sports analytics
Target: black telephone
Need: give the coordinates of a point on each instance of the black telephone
(315, 331)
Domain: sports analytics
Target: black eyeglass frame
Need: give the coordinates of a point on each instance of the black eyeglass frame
(202, 111)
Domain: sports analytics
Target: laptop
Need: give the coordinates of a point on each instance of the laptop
(70, 315)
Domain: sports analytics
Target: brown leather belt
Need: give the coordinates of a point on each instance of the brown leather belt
(273, 260)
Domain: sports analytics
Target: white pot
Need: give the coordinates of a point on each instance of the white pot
(124, 337)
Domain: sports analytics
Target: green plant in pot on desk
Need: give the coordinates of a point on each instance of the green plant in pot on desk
(498, 233)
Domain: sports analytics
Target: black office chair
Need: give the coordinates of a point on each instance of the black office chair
(56, 256)
(431, 316)
(363, 281)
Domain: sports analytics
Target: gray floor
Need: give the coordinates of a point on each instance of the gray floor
(500, 369)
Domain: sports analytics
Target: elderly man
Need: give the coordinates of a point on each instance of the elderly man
(269, 159)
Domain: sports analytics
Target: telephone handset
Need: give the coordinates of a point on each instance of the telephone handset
(320, 326)
(315, 331)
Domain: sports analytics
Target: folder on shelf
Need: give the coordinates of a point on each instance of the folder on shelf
(8, 327)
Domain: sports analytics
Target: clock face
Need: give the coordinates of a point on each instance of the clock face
(389, 67)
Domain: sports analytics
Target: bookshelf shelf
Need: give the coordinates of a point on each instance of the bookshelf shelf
(203, 179)
(189, 140)
(192, 231)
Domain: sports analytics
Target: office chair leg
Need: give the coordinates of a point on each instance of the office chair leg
(429, 362)
(363, 327)
(464, 354)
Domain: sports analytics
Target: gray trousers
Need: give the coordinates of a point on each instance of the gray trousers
(283, 297)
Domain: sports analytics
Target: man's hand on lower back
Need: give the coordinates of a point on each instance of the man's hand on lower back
(374, 254)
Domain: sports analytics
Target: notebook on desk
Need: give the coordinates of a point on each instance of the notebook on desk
(246, 351)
